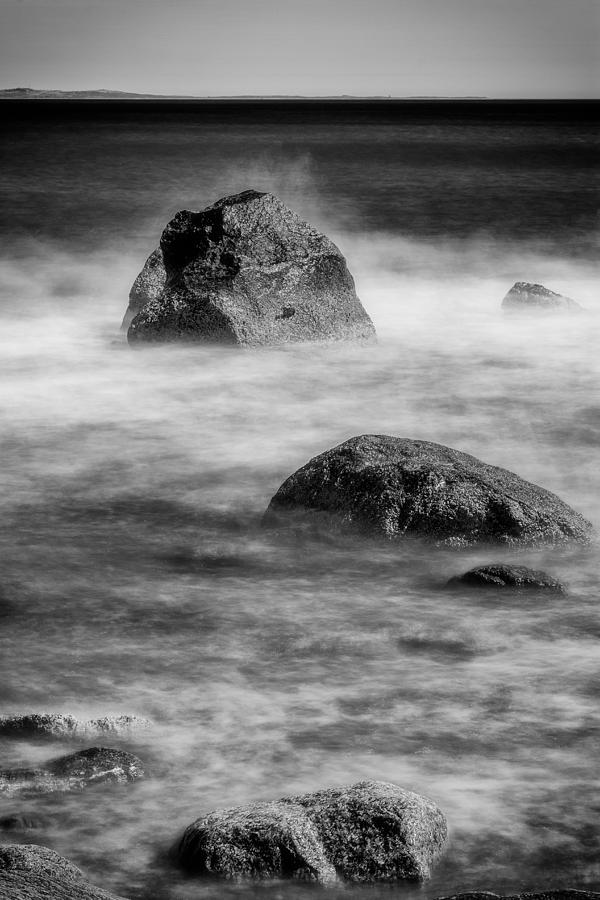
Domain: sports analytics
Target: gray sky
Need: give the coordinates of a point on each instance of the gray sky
(497, 48)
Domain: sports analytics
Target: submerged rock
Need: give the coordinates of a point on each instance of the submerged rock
(147, 287)
(247, 271)
(38, 873)
(526, 297)
(74, 772)
(57, 726)
(370, 831)
(499, 575)
(392, 487)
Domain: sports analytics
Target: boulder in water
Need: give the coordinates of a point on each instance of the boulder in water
(370, 831)
(248, 271)
(38, 873)
(56, 726)
(75, 772)
(500, 575)
(391, 487)
(526, 297)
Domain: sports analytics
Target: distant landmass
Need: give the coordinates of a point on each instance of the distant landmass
(21, 93)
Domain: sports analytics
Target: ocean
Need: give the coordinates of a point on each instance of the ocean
(135, 576)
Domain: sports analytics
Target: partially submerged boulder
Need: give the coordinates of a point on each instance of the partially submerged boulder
(369, 831)
(526, 297)
(148, 286)
(74, 772)
(37, 873)
(501, 575)
(247, 271)
(393, 487)
(64, 727)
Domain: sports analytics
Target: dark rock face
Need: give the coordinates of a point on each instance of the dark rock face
(525, 297)
(58, 727)
(248, 271)
(391, 487)
(38, 873)
(505, 576)
(75, 772)
(370, 831)
(147, 287)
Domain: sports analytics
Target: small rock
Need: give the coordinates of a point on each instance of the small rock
(58, 727)
(28, 872)
(370, 831)
(499, 575)
(74, 772)
(526, 297)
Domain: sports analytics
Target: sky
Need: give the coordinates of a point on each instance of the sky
(494, 48)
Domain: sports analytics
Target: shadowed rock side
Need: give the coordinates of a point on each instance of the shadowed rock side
(505, 576)
(248, 271)
(74, 772)
(38, 873)
(147, 286)
(526, 297)
(391, 487)
(58, 727)
(370, 831)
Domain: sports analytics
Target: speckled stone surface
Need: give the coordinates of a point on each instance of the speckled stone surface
(391, 487)
(37, 873)
(248, 271)
(147, 287)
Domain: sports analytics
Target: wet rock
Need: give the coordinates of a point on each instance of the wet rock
(369, 831)
(59, 727)
(526, 297)
(38, 873)
(248, 271)
(147, 287)
(393, 487)
(74, 772)
(499, 575)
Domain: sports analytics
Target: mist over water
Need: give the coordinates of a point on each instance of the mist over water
(134, 575)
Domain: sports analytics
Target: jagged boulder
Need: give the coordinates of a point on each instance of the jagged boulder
(393, 487)
(38, 873)
(526, 297)
(74, 772)
(500, 575)
(247, 271)
(64, 727)
(369, 831)
(148, 286)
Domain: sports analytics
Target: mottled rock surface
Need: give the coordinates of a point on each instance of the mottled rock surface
(147, 287)
(38, 873)
(499, 575)
(74, 772)
(57, 726)
(248, 271)
(526, 297)
(370, 831)
(392, 487)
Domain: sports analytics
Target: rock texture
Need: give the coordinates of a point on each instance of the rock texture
(560, 894)
(499, 575)
(147, 287)
(391, 487)
(74, 772)
(526, 297)
(370, 831)
(247, 271)
(58, 727)
(38, 873)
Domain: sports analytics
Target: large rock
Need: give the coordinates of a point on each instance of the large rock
(148, 286)
(74, 772)
(369, 831)
(247, 271)
(500, 575)
(526, 297)
(56, 726)
(392, 487)
(38, 873)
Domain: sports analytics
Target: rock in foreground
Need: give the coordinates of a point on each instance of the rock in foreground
(60, 727)
(500, 575)
(370, 831)
(247, 271)
(526, 297)
(38, 873)
(74, 772)
(393, 487)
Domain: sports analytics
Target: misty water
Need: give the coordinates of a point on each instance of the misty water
(135, 576)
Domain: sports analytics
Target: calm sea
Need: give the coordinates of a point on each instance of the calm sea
(134, 575)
